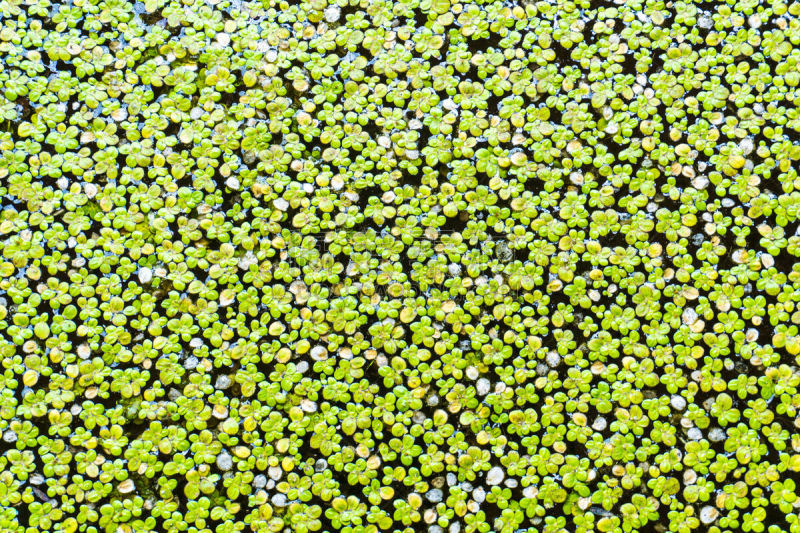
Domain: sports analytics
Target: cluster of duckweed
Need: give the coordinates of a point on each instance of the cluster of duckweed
(413, 265)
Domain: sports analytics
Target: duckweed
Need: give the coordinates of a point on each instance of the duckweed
(399, 265)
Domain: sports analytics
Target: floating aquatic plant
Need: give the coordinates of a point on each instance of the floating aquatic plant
(399, 265)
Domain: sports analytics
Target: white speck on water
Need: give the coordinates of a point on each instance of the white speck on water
(495, 476)
(689, 316)
(84, 351)
(708, 514)
(145, 275)
(434, 496)
(332, 14)
(275, 472)
(127, 486)
(224, 461)
(232, 183)
(319, 353)
(247, 260)
(700, 182)
(678, 402)
(717, 435)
